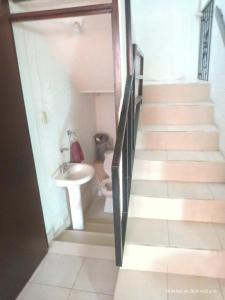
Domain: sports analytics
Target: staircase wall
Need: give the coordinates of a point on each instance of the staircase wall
(217, 76)
(168, 34)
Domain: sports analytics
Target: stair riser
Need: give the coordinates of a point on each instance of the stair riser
(148, 140)
(90, 251)
(182, 171)
(175, 261)
(177, 92)
(176, 115)
(209, 211)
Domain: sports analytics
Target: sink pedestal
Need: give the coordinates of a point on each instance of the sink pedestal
(76, 208)
(72, 176)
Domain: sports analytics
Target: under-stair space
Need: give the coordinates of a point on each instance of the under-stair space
(175, 239)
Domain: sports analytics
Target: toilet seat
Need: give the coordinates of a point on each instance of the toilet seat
(106, 187)
(108, 163)
(106, 184)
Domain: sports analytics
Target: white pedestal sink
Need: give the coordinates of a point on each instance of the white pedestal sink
(72, 176)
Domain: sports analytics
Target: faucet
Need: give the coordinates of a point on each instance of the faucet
(64, 167)
(64, 149)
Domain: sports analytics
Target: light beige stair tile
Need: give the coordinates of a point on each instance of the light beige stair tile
(193, 288)
(220, 231)
(206, 263)
(58, 270)
(40, 292)
(179, 128)
(214, 156)
(218, 191)
(177, 140)
(147, 232)
(176, 92)
(193, 235)
(150, 258)
(176, 113)
(85, 237)
(191, 128)
(151, 155)
(182, 155)
(80, 295)
(99, 227)
(196, 262)
(82, 250)
(136, 285)
(185, 171)
(184, 190)
(186, 155)
(177, 209)
(97, 275)
(149, 188)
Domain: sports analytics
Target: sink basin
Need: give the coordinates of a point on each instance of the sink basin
(72, 176)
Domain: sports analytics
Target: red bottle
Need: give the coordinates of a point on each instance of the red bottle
(76, 152)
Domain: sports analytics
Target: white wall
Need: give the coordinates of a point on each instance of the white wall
(105, 115)
(168, 34)
(46, 52)
(217, 76)
(203, 3)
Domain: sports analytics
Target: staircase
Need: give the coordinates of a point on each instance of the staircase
(175, 238)
(97, 241)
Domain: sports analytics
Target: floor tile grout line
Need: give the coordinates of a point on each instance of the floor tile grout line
(221, 289)
(168, 233)
(70, 293)
(217, 235)
(79, 271)
(167, 283)
(211, 192)
(92, 292)
(51, 285)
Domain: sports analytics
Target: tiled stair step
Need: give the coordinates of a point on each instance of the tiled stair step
(186, 248)
(177, 92)
(176, 113)
(178, 137)
(162, 286)
(99, 227)
(181, 201)
(179, 166)
(84, 243)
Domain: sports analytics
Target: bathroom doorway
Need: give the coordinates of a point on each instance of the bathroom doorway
(66, 69)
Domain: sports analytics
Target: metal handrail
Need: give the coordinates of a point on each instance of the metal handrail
(122, 165)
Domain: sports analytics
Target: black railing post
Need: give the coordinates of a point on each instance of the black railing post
(117, 215)
(125, 166)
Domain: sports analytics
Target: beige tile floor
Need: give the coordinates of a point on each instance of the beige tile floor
(135, 285)
(65, 277)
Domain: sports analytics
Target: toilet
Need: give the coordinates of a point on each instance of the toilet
(106, 184)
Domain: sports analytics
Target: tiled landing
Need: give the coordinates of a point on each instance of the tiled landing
(135, 285)
(65, 277)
